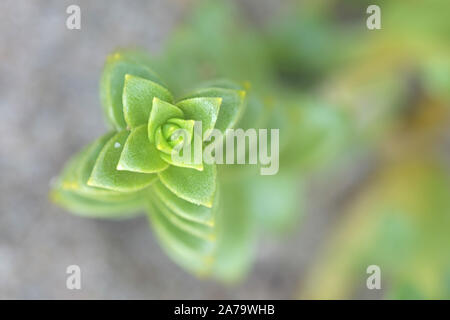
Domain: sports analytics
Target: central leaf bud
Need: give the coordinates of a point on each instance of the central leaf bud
(168, 130)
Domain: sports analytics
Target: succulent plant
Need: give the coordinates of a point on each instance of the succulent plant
(131, 168)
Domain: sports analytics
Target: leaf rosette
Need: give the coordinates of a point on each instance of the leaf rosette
(133, 166)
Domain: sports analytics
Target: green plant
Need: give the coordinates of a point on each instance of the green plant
(217, 241)
(131, 168)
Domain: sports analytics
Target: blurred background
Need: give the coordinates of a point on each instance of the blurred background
(364, 126)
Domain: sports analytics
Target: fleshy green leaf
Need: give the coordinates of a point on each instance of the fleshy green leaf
(202, 109)
(181, 162)
(94, 208)
(231, 108)
(68, 180)
(138, 94)
(191, 252)
(87, 162)
(69, 193)
(76, 174)
(161, 112)
(192, 185)
(185, 208)
(139, 155)
(112, 82)
(106, 175)
(200, 230)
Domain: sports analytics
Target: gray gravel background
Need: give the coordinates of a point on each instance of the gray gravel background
(49, 109)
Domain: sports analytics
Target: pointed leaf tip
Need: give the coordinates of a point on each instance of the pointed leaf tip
(138, 95)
